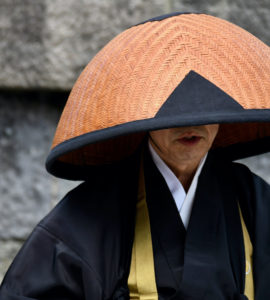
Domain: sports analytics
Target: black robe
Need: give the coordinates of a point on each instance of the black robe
(82, 249)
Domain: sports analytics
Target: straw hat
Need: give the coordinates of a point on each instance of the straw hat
(173, 70)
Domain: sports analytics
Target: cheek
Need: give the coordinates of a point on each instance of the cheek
(160, 138)
(155, 138)
(212, 133)
(215, 131)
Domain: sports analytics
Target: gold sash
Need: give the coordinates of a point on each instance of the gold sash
(141, 281)
(249, 283)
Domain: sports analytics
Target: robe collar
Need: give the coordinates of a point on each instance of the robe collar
(207, 261)
(184, 201)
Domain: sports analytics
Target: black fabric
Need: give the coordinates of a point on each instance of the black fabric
(207, 261)
(168, 238)
(196, 95)
(257, 214)
(82, 249)
(166, 16)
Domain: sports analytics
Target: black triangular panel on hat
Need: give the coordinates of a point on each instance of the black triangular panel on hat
(197, 95)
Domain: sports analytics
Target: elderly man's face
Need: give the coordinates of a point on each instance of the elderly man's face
(183, 145)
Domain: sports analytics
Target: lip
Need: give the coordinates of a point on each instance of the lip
(189, 139)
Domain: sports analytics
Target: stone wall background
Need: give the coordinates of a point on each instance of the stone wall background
(44, 45)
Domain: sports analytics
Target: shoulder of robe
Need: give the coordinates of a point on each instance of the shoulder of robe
(91, 227)
(253, 195)
(249, 181)
(95, 211)
(256, 202)
(96, 219)
(46, 268)
(238, 172)
(254, 198)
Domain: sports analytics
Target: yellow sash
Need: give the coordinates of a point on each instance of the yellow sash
(141, 281)
(249, 283)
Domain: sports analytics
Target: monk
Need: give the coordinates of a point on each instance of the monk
(152, 127)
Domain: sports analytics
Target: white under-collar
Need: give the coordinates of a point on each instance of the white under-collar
(184, 201)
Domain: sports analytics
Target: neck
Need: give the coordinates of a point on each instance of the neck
(183, 169)
(184, 173)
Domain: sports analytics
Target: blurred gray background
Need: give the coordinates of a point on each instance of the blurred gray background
(44, 45)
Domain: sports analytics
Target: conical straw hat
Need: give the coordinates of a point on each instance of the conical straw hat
(174, 70)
